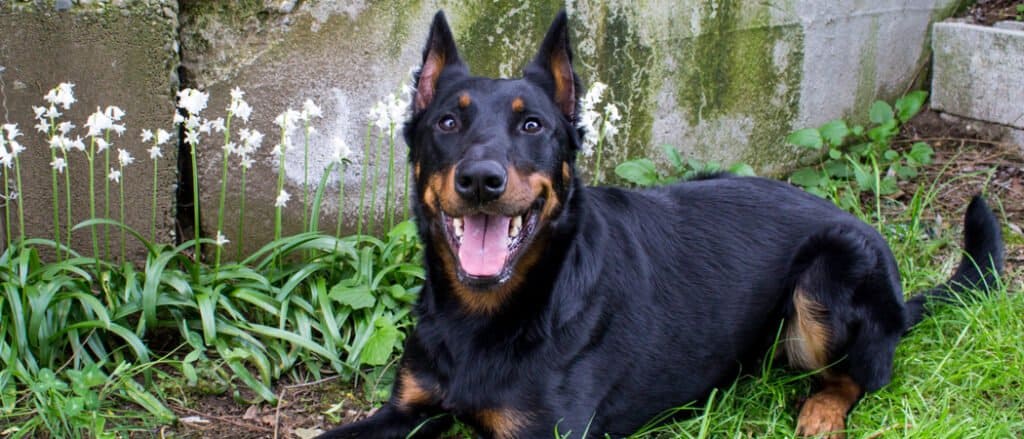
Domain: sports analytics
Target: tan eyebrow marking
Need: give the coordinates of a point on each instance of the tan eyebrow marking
(517, 105)
(464, 100)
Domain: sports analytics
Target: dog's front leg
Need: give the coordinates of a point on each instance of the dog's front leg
(413, 411)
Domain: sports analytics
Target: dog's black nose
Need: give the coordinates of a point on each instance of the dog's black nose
(480, 181)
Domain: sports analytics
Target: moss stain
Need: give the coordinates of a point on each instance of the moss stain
(729, 70)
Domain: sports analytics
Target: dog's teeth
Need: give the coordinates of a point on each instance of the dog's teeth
(516, 227)
(457, 225)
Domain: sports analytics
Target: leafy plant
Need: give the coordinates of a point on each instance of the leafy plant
(857, 159)
(643, 172)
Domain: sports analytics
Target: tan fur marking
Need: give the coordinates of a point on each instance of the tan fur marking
(824, 413)
(518, 105)
(566, 173)
(807, 336)
(565, 89)
(502, 423)
(411, 393)
(427, 81)
(464, 100)
(416, 171)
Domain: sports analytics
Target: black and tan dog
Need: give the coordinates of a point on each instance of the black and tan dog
(551, 306)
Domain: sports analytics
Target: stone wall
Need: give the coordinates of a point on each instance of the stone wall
(721, 80)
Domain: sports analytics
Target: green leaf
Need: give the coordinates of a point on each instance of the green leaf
(880, 112)
(890, 155)
(807, 177)
(909, 105)
(742, 169)
(834, 132)
(888, 186)
(381, 343)
(921, 153)
(357, 297)
(640, 172)
(674, 158)
(835, 154)
(809, 138)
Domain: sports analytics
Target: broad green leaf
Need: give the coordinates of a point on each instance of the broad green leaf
(921, 153)
(834, 132)
(357, 297)
(674, 158)
(880, 112)
(381, 343)
(909, 105)
(806, 177)
(640, 172)
(742, 169)
(809, 138)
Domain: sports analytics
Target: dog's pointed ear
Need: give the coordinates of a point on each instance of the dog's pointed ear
(439, 53)
(552, 67)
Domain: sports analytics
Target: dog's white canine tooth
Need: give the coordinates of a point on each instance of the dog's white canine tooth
(517, 226)
(457, 225)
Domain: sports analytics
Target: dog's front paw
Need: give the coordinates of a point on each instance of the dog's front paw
(822, 416)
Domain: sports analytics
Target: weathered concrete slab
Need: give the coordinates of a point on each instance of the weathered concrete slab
(978, 72)
(723, 80)
(1010, 25)
(123, 55)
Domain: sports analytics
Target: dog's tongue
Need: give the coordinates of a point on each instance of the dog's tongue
(483, 250)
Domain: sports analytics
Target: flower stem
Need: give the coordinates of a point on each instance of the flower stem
(120, 205)
(362, 180)
(389, 191)
(241, 218)
(91, 156)
(371, 218)
(7, 212)
(56, 202)
(196, 228)
(69, 222)
(599, 148)
(305, 175)
(106, 198)
(405, 196)
(152, 221)
(341, 198)
(21, 198)
(223, 190)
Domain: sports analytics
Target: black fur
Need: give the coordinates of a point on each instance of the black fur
(639, 301)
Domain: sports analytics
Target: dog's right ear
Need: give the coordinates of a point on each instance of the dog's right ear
(439, 54)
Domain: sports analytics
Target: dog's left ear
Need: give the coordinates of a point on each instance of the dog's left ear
(552, 67)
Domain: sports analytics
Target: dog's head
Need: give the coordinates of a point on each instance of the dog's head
(493, 158)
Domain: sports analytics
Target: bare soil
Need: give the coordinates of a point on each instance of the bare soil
(987, 12)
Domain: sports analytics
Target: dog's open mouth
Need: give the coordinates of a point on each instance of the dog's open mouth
(487, 246)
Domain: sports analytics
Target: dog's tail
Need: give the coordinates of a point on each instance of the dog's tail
(979, 269)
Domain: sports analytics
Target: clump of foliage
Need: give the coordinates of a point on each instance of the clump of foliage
(644, 173)
(861, 159)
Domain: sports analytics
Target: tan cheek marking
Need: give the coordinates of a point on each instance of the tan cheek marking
(543, 187)
(416, 171)
(464, 100)
(566, 173)
(517, 105)
(807, 337)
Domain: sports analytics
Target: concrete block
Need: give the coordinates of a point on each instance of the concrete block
(724, 80)
(978, 72)
(1010, 25)
(115, 55)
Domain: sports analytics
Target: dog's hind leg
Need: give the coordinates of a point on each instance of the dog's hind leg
(844, 321)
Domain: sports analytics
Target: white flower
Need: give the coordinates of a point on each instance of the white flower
(101, 144)
(611, 113)
(221, 239)
(287, 119)
(155, 153)
(43, 126)
(282, 199)
(192, 100)
(162, 136)
(6, 159)
(98, 122)
(60, 142)
(246, 162)
(124, 157)
(62, 95)
(379, 115)
(310, 110)
(52, 113)
(252, 140)
(240, 109)
(12, 131)
(39, 112)
(230, 148)
(114, 175)
(147, 135)
(236, 94)
(396, 110)
(341, 150)
(178, 119)
(78, 144)
(59, 164)
(217, 124)
(114, 113)
(192, 137)
(16, 148)
(65, 127)
(593, 95)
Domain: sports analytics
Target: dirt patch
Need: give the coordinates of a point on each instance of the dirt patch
(988, 12)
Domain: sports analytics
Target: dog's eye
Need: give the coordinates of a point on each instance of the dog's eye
(532, 125)
(448, 124)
